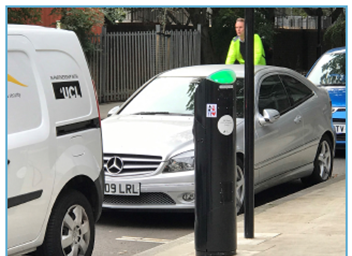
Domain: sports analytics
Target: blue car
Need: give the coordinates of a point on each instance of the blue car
(329, 71)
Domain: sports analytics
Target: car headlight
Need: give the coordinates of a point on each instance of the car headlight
(180, 163)
(335, 109)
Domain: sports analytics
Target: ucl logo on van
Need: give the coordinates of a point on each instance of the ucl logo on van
(67, 90)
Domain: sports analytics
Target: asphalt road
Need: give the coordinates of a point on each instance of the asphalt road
(128, 233)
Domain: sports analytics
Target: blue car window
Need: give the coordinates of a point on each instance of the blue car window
(329, 70)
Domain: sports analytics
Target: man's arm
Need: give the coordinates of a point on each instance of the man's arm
(258, 51)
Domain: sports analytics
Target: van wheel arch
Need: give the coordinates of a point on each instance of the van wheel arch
(86, 186)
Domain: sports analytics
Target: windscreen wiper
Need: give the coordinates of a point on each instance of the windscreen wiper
(152, 113)
(333, 84)
(161, 113)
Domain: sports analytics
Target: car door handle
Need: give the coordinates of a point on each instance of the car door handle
(8, 161)
(297, 119)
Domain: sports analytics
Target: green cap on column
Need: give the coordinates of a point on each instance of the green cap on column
(226, 76)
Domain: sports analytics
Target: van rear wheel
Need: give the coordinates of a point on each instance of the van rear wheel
(70, 229)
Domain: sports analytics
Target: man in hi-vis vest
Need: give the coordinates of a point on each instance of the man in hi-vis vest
(237, 49)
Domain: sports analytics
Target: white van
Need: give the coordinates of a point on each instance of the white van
(55, 178)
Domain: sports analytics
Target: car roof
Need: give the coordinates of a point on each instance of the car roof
(206, 70)
(339, 50)
(336, 50)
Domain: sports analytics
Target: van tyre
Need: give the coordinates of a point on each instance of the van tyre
(323, 163)
(70, 229)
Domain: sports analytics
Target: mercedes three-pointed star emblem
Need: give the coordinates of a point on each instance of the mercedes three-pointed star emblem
(114, 165)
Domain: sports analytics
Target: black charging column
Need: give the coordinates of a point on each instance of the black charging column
(215, 134)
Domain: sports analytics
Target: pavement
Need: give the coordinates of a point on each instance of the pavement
(311, 222)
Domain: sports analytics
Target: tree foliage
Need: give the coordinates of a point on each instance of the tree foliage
(81, 21)
(333, 72)
(335, 35)
(24, 15)
(114, 15)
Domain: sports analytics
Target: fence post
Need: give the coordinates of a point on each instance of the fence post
(157, 49)
(102, 77)
(199, 41)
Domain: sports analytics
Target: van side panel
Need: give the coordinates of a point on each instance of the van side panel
(54, 129)
(31, 169)
(71, 89)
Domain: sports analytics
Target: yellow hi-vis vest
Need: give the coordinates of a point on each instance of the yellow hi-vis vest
(234, 52)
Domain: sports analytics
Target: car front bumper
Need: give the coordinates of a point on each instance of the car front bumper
(174, 192)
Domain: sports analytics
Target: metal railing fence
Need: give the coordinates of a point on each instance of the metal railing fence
(300, 22)
(123, 61)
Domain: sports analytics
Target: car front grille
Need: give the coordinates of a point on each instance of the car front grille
(142, 199)
(339, 120)
(120, 165)
(341, 137)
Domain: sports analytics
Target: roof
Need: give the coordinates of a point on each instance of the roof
(335, 50)
(19, 27)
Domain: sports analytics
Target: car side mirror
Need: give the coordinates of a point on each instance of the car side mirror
(113, 111)
(269, 116)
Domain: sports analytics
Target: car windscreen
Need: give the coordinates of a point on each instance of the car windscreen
(329, 70)
(164, 95)
(172, 96)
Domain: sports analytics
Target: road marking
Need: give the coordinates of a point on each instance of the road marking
(143, 239)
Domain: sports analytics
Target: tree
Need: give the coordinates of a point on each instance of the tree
(335, 35)
(114, 15)
(24, 15)
(81, 21)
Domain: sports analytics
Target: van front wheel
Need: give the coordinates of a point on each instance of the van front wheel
(70, 229)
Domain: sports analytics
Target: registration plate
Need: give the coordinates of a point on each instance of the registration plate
(340, 128)
(122, 189)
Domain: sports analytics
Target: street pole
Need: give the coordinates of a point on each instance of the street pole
(249, 127)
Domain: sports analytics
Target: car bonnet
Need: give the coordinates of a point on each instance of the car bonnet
(147, 135)
(337, 96)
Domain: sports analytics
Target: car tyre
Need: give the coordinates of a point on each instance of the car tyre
(323, 163)
(239, 186)
(70, 229)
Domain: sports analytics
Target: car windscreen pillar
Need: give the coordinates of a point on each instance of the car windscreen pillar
(215, 187)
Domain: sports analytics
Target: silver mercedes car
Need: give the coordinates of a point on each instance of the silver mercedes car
(148, 141)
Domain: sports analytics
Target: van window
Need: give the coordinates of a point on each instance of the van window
(23, 103)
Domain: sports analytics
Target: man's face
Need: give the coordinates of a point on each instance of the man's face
(240, 29)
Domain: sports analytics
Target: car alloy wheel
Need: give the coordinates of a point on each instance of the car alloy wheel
(323, 163)
(324, 160)
(239, 186)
